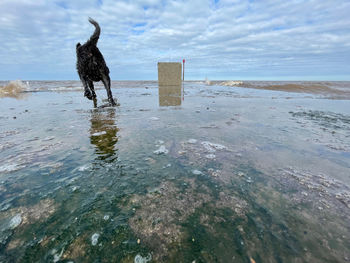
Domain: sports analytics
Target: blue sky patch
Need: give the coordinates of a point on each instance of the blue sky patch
(243, 39)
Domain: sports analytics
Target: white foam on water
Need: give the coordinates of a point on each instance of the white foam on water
(57, 256)
(210, 156)
(94, 239)
(154, 119)
(197, 172)
(212, 147)
(15, 221)
(140, 259)
(6, 168)
(106, 217)
(167, 166)
(84, 167)
(161, 150)
(63, 88)
(49, 138)
(99, 133)
(192, 141)
(232, 83)
(4, 206)
(159, 142)
(50, 165)
(249, 180)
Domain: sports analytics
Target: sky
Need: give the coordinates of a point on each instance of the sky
(220, 39)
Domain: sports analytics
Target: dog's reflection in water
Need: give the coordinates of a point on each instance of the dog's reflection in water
(104, 133)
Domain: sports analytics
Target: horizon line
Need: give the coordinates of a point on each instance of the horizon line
(232, 79)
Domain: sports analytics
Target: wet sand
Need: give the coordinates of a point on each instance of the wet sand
(195, 173)
(331, 90)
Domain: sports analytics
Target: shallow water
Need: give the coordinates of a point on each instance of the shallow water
(195, 173)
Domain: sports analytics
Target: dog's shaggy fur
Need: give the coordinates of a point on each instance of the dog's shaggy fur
(91, 66)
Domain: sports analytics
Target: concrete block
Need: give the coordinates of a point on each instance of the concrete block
(170, 95)
(169, 73)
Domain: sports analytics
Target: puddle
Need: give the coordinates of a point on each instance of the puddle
(193, 173)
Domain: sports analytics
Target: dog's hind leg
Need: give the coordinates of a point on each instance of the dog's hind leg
(92, 89)
(107, 83)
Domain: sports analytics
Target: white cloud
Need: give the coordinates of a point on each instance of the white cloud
(228, 39)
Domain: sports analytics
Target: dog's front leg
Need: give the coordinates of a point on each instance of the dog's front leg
(87, 92)
(107, 83)
(92, 89)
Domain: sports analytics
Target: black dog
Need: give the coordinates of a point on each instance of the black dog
(91, 66)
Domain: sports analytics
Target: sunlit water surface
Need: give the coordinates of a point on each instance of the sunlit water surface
(177, 174)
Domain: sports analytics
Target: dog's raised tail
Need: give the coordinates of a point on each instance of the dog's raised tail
(95, 36)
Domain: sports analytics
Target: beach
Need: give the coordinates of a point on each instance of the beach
(251, 171)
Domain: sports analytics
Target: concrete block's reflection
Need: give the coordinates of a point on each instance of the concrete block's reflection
(170, 95)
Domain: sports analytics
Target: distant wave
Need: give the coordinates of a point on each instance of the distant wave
(64, 88)
(232, 83)
(14, 89)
